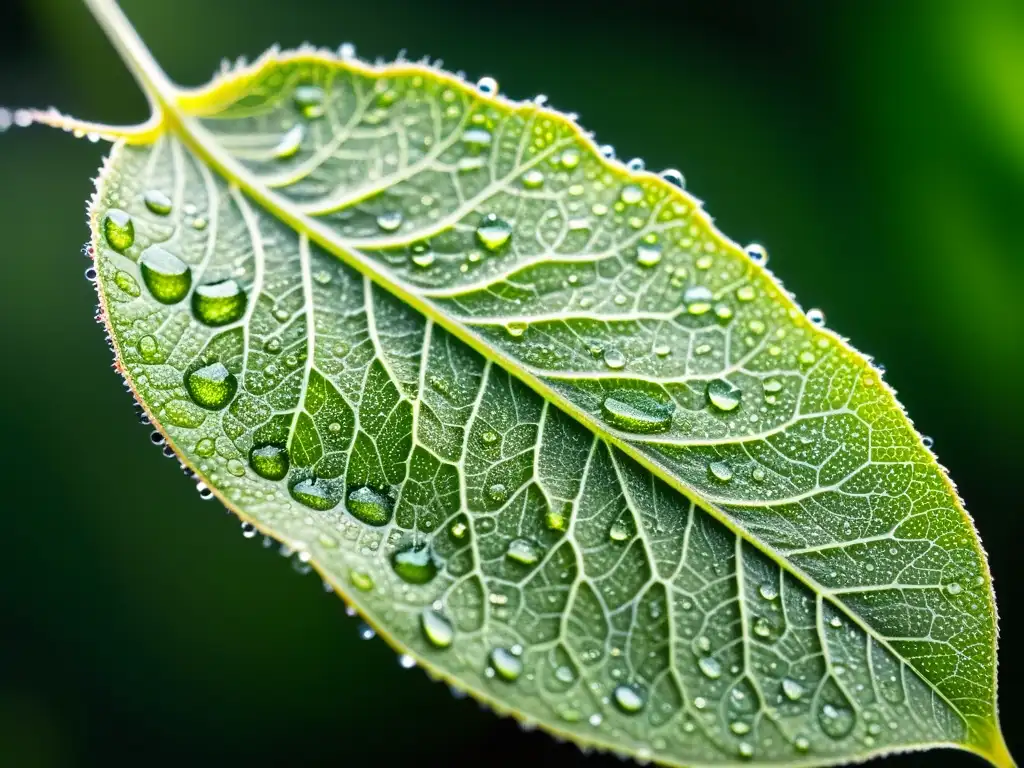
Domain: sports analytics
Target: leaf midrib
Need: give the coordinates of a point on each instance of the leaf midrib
(163, 96)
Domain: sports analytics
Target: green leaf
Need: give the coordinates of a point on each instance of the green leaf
(555, 436)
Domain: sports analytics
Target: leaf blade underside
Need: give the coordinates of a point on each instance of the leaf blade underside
(508, 371)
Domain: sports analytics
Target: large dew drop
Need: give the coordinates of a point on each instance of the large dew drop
(219, 303)
(437, 628)
(635, 411)
(724, 395)
(629, 699)
(493, 232)
(167, 277)
(414, 564)
(506, 664)
(315, 494)
(211, 386)
(118, 229)
(269, 461)
(368, 506)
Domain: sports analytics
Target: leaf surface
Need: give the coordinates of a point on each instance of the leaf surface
(554, 435)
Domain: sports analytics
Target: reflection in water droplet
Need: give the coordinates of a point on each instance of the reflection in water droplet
(390, 221)
(792, 689)
(157, 202)
(720, 471)
(368, 506)
(636, 411)
(437, 628)
(629, 699)
(211, 386)
(269, 461)
(290, 142)
(315, 494)
(710, 667)
(648, 255)
(414, 564)
(697, 299)
(505, 664)
(533, 179)
(219, 303)
(723, 394)
(118, 229)
(768, 590)
(493, 232)
(167, 277)
(523, 551)
(816, 317)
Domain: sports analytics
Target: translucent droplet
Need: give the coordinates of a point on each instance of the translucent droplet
(816, 317)
(836, 721)
(619, 531)
(762, 628)
(366, 632)
(565, 674)
(697, 299)
(459, 530)
(361, 581)
(614, 359)
(802, 743)
(557, 521)
(211, 386)
(167, 277)
(636, 411)
(629, 699)
(673, 176)
(315, 494)
(710, 667)
(157, 202)
(269, 461)
(745, 293)
(309, 100)
(927, 441)
(487, 86)
(497, 492)
(533, 179)
(570, 159)
(720, 471)
(768, 590)
(807, 357)
(423, 259)
(523, 551)
(631, 194)
(792, 689)
(746, 750)
(219, 303)
(405, 661)
(506, 665)
(607, 151)
(489, 437)
(477, 138)
(648, 255)
(438, 630)
(724, 395)
(390, 221)
(368, 506)
(739, 727)
(835, 622)
(757, 253)
(205, 447)
(126, 283)
(493, 232)
(758, 475)
(953, 588)
(414, 564)
(290, 142)
(118, 229)
(516, 329)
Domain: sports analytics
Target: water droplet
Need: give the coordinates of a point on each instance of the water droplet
(437, 628)
(570, 159)
(211, 386)
(405, 661)
(490, 437)
(414, 564)
(710, 667)
(205, 448)
(533, 179)
(619, 531)
(607, 151)
(802, 743)
(835, 622)
(768, 590)
(792, 689)
(315, 494)
(309, 100)
(629, 699)
(361, 581)
(953, 588)
(807, 357)
(614, 359)
(487, 86)
(758, 475)
(700, 702)
(698, 299)
(704, 643)
(762, 628)
(816, 317)
(493, 232)
(739, 727)
(636, 411)
(497, 492)
(118, 229)
(523, 551)
(927, 441)
(366, 632)
(724, 395)
(167, 277)
(757, 253)
(269, 461)
(746, 293)
(505, 664)
(746, 750)
(157, 202)
(368, 506)
(516, 329)
(565, 674)
(632, 194)
(126, 283)
(673, 176)
(836, 721)
(289, 143)
(423, 258)
(219, 303)
(557, 521)
(648, 255)
(477, 138)
(720, 471)
(390, 221)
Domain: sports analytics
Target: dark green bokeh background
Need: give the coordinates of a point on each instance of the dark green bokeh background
(876, 147)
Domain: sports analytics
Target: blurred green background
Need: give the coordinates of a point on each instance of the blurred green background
(875, 147)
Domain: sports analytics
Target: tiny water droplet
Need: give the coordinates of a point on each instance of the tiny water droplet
(558, 521)
(361, 581)
(648, 255)
(768, 590)
(366, 632)
(816, 317)
(157, 202)
(629, 699)
(211, 386)
(710, 667)
(631, 194)
(533, 179)
(219, 303)
(835, 622)
(487, 86)
(619, 531)
(506, 665)
(746, 750)
(236, 468)
(802, 743)
(459, 530)
(477, 138)
(724, 395)
(792, 689)
(757, 253)
(167, 277)
(438, 630)
(614, 359)
(497, 492)
(762, 628)
(674, 177)
(746, 293)
(758, 475)
(927, 441)
(390, 221)
(493, 232)
(269, 461)
(720, 471)
(205, 447)
(414, 564)
(739, 727)
(697, 299)
(315, 494)
(516, 329)
(118, 229)
(953, 588)
(369, 506)
(636, 411)
(570, 159)
(523, 551)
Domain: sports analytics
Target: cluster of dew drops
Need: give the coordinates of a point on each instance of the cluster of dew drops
(169, 280)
